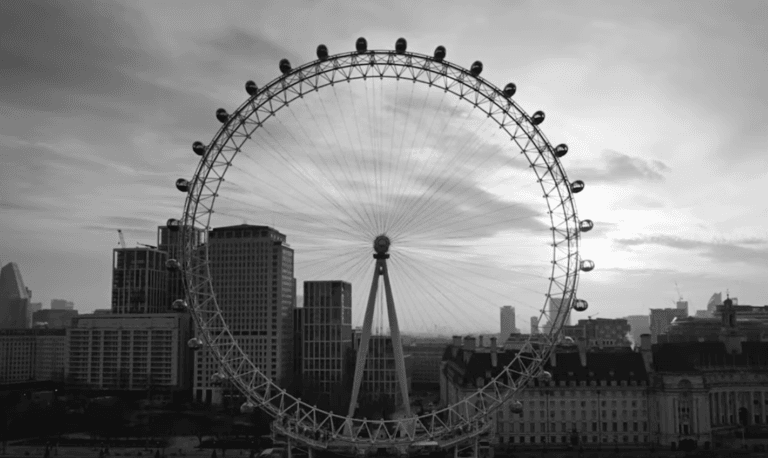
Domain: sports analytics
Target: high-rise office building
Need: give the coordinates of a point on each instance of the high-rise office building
(139, 281)
(507, 322)
(61, 304)
(682, 305)
(714, 301)
(563, 319)
(252, 270)
(170, 242)
(326, 339)
(534, 325)
(14, 298)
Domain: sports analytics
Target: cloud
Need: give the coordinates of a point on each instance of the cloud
(618, 167)
(731, 251)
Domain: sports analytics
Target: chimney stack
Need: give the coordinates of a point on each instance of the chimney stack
(480, 342)
(494, 353)
(469, 343)
(457, 341)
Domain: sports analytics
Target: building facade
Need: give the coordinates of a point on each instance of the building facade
(137, 352)
(139, 281)
(507, 322)
(53, 319)
(661, 320)
(425, 360)
(61, 304)
(379, 382)
(601, 332)
(252, 273)
(326, 340)
(595, 398)
(14, 298)
(32, 355)
(710, 394)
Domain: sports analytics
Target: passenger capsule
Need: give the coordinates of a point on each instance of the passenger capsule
(561, 150)
(361, 44)
(509, 90)
(476, 69)
(195, 343)
(179, 305)
(198, 148)
(172, 265)
(182, 185)
(440, 53)
(516, 407)
(216, 378)
(568, 340)
(322, 52)
(247, 407)
(222, 115)
(580, 305)
(401, 45)
(251, 88)
(577, 186)
(587, 265)
(173, 225)
(545, 377)
(586, 225)
(285, 66)
(537, 118)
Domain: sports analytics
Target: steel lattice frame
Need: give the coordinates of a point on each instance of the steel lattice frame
(453, 424)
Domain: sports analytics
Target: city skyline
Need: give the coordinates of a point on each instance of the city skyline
(670, 182)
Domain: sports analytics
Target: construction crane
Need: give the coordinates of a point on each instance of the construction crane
(677, 288)
(122, 238)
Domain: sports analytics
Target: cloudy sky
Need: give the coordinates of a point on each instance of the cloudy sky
(663, 106)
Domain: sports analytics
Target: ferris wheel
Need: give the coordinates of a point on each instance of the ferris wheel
(446, 190)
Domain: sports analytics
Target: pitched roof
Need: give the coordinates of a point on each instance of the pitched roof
(696, 356)
(619, 365)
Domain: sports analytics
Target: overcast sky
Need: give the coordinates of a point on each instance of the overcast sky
(663, 105)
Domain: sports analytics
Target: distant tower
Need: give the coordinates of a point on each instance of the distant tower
(714, 301)
(534, 325)
(507, 322)
(14, 298)
(728, 318)
(169, 241)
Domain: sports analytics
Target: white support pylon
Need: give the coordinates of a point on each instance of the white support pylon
(381, 246)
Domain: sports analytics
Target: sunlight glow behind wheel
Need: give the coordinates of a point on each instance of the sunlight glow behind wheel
(473, 200)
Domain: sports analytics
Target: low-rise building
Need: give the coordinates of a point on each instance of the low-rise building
(130, 352)
(32, 355)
